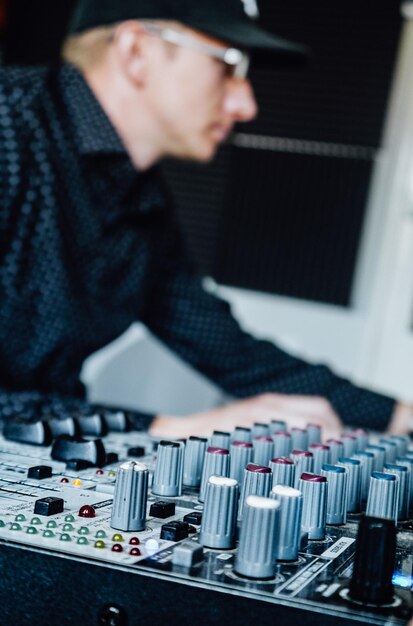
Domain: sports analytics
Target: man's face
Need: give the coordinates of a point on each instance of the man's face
(194, 100)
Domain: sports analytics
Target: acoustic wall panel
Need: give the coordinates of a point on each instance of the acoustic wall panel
(296, 232)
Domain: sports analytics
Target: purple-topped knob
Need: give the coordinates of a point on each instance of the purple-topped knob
(336, 450)
(362, 439)
(283, 469)
(260, 469)
(263, 450)
(314, 490)
(303, 461)
(313, 478)
(217, 461)
(257, 482)
(349, 443)
(242, 453)
(215, 450)
(321, 455)
(299, 438)
(314, 433)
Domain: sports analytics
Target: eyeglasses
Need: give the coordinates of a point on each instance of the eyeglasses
(236, 60)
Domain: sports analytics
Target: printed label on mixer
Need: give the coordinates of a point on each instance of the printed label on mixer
(337, 548)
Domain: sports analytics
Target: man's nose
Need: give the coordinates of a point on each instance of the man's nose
(240, 100)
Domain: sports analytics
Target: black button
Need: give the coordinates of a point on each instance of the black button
(111, 457)
(39, 472)
(162, 510)
(137, 451)
(48, 506)
(193, 518)
(175, 531)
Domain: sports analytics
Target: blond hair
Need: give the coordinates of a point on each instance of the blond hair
(87, 49)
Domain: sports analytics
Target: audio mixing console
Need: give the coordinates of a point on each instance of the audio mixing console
(101, 525)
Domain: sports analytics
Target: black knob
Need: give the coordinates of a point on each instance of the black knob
(371, 582)
(21, 430)
(67, 448)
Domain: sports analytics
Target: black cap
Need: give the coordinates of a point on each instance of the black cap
(224, 19)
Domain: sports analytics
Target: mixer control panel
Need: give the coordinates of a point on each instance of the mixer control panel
(294, 525)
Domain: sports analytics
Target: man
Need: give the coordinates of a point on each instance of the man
(88, 238)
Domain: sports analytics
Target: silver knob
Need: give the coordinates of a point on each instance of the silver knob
(402, 443)
(336, 450)
(321, 455)
(259, 530)
(241, 454)
(303, 461)
(216, 463)
(257, 481)
(263, 450)
(220, 439)
(283, 470)
(349, 443)
(379, 457)
(407, 462)
(362, 439)
(260, 430)
(130, 498)
(299, 438)
(336, 494)
(282, 444)
(366, 461)
(353, 467)
(220, 513)
(291, 509)
(277, 426)
(242, 434)
(194, 461)
(403, 499)
(382, 498)
(314, 433)
(314, 489)
(167, 478)
(391, 450)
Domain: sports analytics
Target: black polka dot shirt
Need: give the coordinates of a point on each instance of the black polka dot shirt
(88, 245)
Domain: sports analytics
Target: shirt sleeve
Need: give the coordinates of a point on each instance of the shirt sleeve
(200, 328)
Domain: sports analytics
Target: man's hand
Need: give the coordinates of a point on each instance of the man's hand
(401, 421)
(297, 411)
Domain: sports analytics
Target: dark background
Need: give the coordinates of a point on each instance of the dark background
(285, 220)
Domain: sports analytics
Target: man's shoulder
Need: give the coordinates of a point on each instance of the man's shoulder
(21, 84)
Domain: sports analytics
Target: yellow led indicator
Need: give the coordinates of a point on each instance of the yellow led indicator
(77, 482)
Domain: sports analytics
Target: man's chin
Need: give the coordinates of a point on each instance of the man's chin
(204, 155)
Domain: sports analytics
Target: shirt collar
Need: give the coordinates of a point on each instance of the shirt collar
(94, 130)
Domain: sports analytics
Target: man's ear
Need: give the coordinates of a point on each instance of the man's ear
(130, 41)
